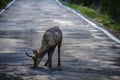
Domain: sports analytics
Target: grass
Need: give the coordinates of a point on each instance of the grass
(103, 19)
(3, 3)
(89, 12)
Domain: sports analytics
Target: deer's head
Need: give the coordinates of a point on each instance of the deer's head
(36, 58)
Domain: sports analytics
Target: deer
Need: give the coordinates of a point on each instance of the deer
(51, 39)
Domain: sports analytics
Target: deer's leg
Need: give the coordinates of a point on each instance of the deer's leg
(47, 61)
(59, 46)
(50, 65)
(50, 57)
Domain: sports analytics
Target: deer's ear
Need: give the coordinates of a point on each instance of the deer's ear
(35, 51)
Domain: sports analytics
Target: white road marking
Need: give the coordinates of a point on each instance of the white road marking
(7, 6)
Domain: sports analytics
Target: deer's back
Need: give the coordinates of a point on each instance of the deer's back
(52, 36)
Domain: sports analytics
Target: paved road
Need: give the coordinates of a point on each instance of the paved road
(87, 53)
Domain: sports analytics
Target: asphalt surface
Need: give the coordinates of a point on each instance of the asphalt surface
(86, 53)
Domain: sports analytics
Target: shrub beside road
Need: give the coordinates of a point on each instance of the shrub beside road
(3, 3)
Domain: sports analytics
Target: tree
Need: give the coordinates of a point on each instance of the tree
(112, 8)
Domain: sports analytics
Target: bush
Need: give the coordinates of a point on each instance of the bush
(3, 3)
(112, 8)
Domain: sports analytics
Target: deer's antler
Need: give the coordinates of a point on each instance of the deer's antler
(29, 55)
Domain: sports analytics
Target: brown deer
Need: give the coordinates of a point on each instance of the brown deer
(51, 39)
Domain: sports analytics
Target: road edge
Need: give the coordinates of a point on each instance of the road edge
(8, 5)
(91, 23)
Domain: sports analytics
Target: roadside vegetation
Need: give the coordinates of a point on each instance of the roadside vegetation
(99, 12)
(3, 3)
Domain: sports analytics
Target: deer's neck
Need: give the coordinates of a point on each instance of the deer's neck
(42, 51)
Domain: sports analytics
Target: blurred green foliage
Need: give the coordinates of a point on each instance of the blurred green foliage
(3, 3)
(107, 13)
(110, 7)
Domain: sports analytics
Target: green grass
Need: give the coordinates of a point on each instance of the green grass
(89, 12)
(103, 19)
(3, 3)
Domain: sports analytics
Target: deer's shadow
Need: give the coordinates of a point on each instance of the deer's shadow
(43, 70)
